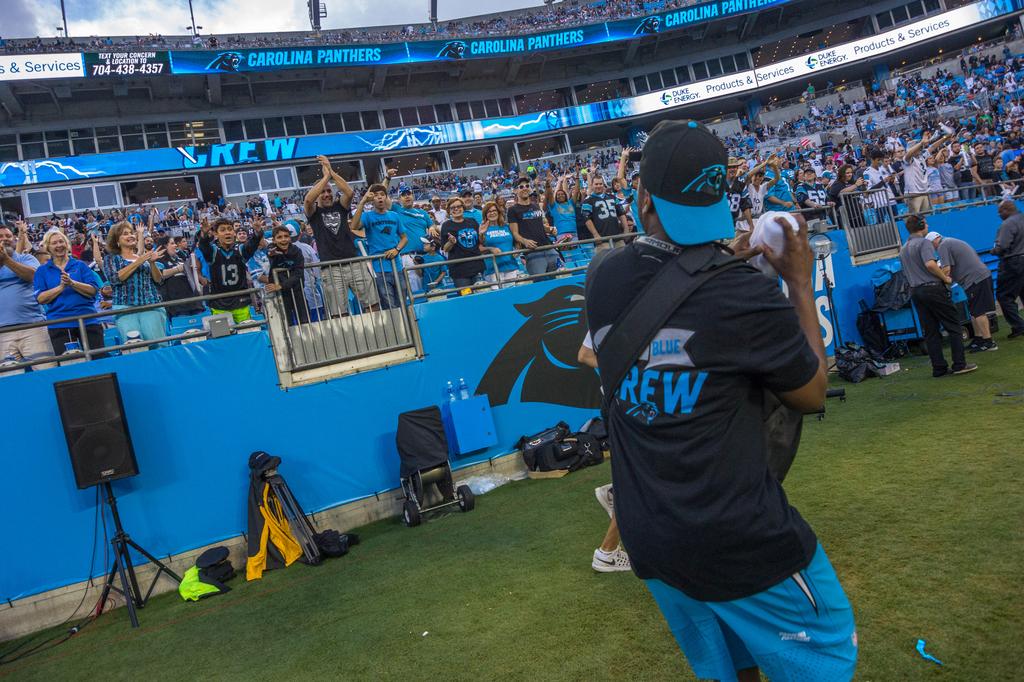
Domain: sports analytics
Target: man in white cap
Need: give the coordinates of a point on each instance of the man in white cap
(961, 262)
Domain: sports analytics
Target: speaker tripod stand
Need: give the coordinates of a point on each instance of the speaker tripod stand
(122, 567)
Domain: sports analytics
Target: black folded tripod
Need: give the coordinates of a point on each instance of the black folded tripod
(122, 567)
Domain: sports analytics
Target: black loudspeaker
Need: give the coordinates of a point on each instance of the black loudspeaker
(97, 433)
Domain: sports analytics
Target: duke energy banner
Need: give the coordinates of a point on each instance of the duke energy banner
(96, 166)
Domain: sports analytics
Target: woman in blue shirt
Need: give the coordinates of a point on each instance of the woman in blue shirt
(496, 238)
(67, 287)
(563, 214)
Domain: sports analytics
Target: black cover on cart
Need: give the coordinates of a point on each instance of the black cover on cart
(421, 441)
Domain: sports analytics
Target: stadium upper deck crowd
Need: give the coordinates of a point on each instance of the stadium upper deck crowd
(568, 13)
(923, 163)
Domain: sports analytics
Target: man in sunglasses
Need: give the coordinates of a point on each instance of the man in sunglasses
(530, 230)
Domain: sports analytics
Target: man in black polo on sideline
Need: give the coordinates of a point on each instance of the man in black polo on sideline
(1009, 247)
(929, 290)
(736, 571)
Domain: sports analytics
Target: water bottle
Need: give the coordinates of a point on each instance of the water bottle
(450, 391)
(463, 389)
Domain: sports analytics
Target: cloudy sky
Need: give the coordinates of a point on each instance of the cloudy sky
(29, 18)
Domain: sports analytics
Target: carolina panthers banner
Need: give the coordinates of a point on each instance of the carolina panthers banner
(242, 60)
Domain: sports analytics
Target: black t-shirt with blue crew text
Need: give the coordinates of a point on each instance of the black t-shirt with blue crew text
(530, 220)
(696, 504)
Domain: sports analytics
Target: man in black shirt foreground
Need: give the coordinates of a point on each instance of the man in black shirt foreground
(336, 241)
(737, 572)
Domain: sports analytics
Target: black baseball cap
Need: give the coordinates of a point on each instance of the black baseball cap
(683, 168)
(405, 191)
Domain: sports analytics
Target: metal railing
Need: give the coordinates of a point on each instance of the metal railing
(87, 353)
(368, 308)
(574, 258)
(306, 336)
(349, 310)
(869, 218)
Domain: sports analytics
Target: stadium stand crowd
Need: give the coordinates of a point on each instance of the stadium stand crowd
(920, 144)
(567, 13)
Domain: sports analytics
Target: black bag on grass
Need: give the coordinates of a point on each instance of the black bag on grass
(542, 441)
(598, 429)
(870, 328)
(334, 544)
(557, 449)
(854, 363)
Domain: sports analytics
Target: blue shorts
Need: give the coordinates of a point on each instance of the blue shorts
(799, 629)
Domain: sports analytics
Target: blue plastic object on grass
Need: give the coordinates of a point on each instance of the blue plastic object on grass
(924, 655)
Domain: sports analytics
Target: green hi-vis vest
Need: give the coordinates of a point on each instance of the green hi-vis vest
(192, 588)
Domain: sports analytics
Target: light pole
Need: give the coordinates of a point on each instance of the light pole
(64, 18)
(192, 16)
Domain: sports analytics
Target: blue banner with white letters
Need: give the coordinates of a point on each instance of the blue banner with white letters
(319, 56)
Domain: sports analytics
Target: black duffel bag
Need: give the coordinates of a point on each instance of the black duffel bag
(854, 363)
(532, 445)
(557, 449)
(331, 543)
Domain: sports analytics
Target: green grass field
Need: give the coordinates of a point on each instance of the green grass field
(914, 486)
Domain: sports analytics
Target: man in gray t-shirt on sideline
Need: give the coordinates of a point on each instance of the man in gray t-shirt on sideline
(929, 290)
(960, 261)
(1009, 247)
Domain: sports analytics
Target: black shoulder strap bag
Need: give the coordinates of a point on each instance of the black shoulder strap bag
(626, 341)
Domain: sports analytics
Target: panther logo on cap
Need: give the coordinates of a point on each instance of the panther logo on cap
(709, 181)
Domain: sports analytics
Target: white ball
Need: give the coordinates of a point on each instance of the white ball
(769, 233)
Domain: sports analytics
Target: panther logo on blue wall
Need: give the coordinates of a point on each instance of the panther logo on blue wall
(453, 49)
(540, 358)
(226, 61)
(648, 26)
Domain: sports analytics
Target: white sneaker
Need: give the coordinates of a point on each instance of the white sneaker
(610, 562)
(605, 499)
